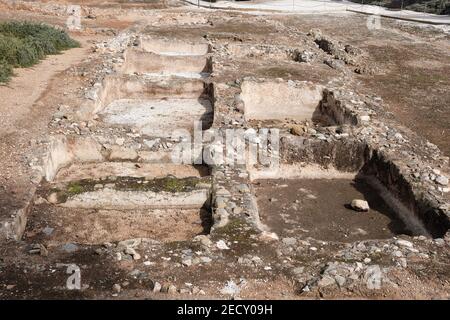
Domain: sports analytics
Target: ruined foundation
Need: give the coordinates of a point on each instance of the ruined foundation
(95, 190)
(111, 187)
(153, 94)
(317, 157)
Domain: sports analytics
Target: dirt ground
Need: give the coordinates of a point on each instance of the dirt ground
(411, 66)
(414, 64)
(320, 208)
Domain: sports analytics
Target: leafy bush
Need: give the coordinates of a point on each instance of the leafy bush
(59, 38)
(6, 71)
(23, 44)
(9, 47)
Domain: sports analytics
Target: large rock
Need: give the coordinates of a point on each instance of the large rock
(442, 180)
(360, 205)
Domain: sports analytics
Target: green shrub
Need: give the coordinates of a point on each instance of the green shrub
(23, 44)
(9, 47)
(6, 71)
(30, 29)
(18, 52)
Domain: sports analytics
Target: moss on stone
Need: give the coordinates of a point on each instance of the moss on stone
(166, 184)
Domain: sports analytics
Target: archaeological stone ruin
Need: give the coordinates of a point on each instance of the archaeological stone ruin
(198, 158)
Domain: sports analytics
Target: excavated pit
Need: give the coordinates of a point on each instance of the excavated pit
(155, 107)
(151, 64)
(158, 118)
(171, 47)
(310, 194)
(89, 226)
(114, 185)
(335, 169)
(291, 101)
(96, 203)
(319, 208)
(286, 101)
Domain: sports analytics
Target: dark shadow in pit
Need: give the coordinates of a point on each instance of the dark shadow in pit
(202, 170)
(320, 119)
(208, 66)
(376, 202)
(432, 218)
(207, 118)
(207, 220)
(327, 114)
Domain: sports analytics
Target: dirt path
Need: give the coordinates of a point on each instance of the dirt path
(24, 118)
(28, 84)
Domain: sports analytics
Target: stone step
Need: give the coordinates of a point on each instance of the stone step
(117, 87)
(103, 170)
(149, 63)
(123, 192)
(172, 47)
(158, 117)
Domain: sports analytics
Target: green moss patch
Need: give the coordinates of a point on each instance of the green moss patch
(238, 230)
(166, 184)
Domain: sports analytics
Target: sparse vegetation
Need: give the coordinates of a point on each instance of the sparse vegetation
(75, 188)
(5, 70)
(166, 184)
(23, 44)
